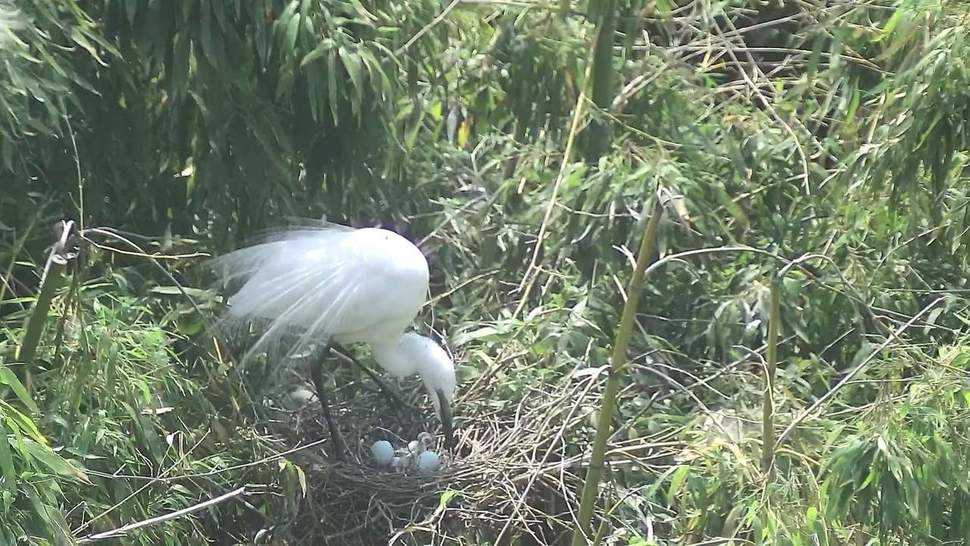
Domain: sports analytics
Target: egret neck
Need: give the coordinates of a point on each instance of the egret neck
(413, 353)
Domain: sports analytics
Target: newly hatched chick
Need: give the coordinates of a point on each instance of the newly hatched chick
(426, 440)
(405, 459)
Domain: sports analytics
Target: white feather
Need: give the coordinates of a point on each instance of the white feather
(339, 284)
(344, 284)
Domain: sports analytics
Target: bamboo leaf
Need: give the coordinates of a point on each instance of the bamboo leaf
(131, 8)
(292, 33)
(332, 86)
(52, 461)
(318, 52)
(179, 71)
(353, 65)
(8, 378)
(7, 469)
(891, 23)
(17, 421)
(80, 39)
(677, 480)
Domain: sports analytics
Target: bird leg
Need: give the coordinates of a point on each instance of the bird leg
(387, 389)
(316, 374)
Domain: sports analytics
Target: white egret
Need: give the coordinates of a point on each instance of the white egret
(343, 285)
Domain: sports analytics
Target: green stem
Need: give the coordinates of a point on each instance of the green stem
(768, 407)
(598, 134)
(617, 363)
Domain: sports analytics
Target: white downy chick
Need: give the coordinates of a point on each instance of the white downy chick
(426, 440)
(405, 459)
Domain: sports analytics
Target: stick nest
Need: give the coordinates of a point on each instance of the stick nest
(515, 469)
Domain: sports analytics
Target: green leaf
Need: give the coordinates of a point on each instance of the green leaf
(332, 86)
(301, 476)
(19, 421)
(212, 45)
(51, 515)
(853, 102)
(54, 462)
(131, 7)
(80, 39)
(292, 33)
(318, 52)
(7, 469)
(176, 291)
(446, 497)
(8, 378)
(465, 337)
(891, 23)
(730, 204)
(677, 481)
(353, 65)
(179, 72)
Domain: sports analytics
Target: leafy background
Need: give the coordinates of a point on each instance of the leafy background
(522, 143)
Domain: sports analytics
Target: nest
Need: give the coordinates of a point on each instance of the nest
(515, 470)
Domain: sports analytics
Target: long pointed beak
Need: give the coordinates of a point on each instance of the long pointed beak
(446, 421)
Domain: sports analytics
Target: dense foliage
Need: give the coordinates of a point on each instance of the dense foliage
(816, 148)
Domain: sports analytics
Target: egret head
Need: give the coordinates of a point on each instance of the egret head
(437, 371)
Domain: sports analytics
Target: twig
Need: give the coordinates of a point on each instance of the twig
(427, 28)
(77, 166)
(528, 279)
(264, 460)
(154, 260)
(517, 506)
(142, 488)
(770, 107)
(162, 519)
(855, 371)
(768, 407)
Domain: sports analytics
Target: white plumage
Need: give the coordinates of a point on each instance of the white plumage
(352, 284)
(342, 285)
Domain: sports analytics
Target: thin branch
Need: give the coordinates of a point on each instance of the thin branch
(531, 272)
(121, 531)
(427, 28)
(855, 371)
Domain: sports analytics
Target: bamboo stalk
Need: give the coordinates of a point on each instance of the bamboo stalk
(597, 138)
(768, 407)
(617, 363)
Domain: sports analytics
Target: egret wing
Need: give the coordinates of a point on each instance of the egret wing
(352, 285)
(297, 281)
(274, 244)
